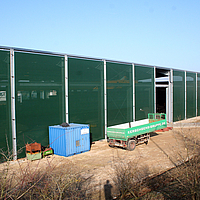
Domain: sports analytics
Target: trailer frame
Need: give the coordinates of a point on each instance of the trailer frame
(128, 137)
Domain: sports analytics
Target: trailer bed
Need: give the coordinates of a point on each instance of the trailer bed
(122, 133)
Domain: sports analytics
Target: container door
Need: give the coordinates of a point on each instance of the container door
(85, 139)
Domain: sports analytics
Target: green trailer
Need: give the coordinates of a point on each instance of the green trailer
(129, 134)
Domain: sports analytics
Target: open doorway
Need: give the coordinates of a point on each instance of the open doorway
(162, 91)
(161, 100)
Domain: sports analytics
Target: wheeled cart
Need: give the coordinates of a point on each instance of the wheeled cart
(129, 134)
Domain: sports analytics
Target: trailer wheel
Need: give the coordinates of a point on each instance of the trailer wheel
(146, 142)
(111, 143)
(131, 145)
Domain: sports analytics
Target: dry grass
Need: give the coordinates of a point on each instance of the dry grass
(55, 182)
(130, 180)
(180, 182)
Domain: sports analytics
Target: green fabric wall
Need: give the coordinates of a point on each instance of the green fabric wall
(39, 97)
(178, 95)
(144, 92)
(119, 93)
(86, 95)
(191, 94)
(5, 99)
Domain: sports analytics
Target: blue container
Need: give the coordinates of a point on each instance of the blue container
(67, 141)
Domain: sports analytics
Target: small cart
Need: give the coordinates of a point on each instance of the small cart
(129, 134)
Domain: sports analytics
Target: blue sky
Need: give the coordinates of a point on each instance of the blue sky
(153, 32)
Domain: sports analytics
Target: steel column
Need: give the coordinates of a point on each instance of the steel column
(12, 84)
(196, 94)
(171, 96)
(154, 89)
(105, 99)
(133, 72)
(66, 90)
(185, 95)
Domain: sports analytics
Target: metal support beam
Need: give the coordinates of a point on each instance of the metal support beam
(133, 72)
(105, 99)
(12, 84)
(185, 95)
(171, 96)
(154, 89)
(162, 86)
(66, 89)
(196, 95)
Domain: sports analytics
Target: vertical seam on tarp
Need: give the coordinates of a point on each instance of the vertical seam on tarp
(13, 117)
(66, 90)
(133, 72)
(105, 99)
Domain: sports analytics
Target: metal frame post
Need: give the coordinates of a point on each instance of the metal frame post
(133, 72)
(171, 96)
(13, 117)
(66, 90)
(105, 99)
(168, 103)
(185, 95)
(196, 95)
(154, 89)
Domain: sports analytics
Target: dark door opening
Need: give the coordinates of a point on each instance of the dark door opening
(161, 99)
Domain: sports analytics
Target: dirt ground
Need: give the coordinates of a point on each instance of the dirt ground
(161, 153)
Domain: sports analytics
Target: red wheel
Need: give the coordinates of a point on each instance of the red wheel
(131, 145)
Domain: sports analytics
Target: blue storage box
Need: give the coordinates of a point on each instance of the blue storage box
(67, 141)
